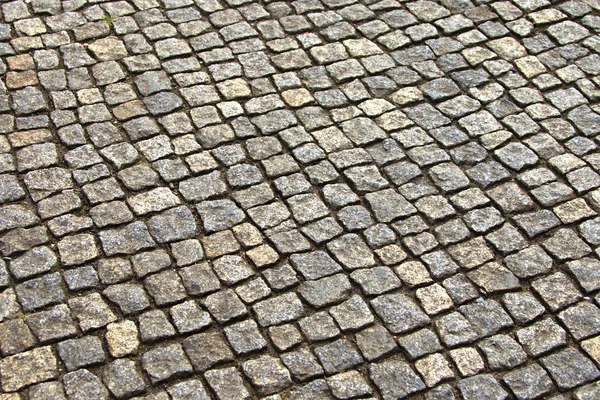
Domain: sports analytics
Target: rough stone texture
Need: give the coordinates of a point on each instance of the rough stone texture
(471, 388)
(570, 368)
(391, 199)
(227, 384)
(277, 310)
(122, 379)
(529, 382)
(82, 384)
(166, 363)
(395, 379)
(77, 353)
(207, 349)
(267, 374)
(28, 368)
(399, 313)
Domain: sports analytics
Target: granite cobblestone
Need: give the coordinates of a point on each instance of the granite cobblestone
(308, 199)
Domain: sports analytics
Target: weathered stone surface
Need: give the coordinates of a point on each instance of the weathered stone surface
(227, 384)
(455, 329)
(348, 384)
(206, 350)
(172, 225)
(203, 187)
(570, 368)
(122, 338)
(352, 252)
(27, 368)
(122, 379)
(267, 374)
(39, 292)
(277, 310)
(326, 290)
(542, 336)
(166, 363)
(529, 382)
(302, 363)
(83, 352)
(269, 195)
(155, 326)
(91, 311)
(33, 262)
(395, 379)
(472, 388)
(77, 249)
(399, 313)
(82, 384)
(128, 239)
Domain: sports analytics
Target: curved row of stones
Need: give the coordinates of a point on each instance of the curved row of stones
(314, 199)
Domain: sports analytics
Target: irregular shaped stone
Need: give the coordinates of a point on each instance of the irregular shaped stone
(395, 379)
(130, 298)
(122, 378)
(570, 368)
(91, 311)
(82, 384)
(77, 249)
(472, 388)
(126, 240)
(172, 225)
(352, 252)
(27, 368)
(207, 349)
(267, 374)
(166, 363)
(16, 216)
(227, 384)
(502, 352)
(455, 329)
(529, 382)
(284, 308)
(110, 48)
(203, 187)
(33, 262)
(399, 313)
(315, 264)
(326, 290)
(225, 305)
(39, 292)
(581, 320)
(83, 352)
(122, 338)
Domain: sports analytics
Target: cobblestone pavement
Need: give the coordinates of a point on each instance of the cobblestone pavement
(310, 199)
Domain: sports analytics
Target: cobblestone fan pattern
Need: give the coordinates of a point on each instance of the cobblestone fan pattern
(309, 199)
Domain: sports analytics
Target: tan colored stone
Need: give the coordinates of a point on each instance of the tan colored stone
(263, 255)
(406, 95)
(592, 347)
(220, 243)
(247, 235)
(130, 110)
(27, 368)
(297, 97)
(234, 88)
(530, 66)
(109, 48)
(20, 63)
(507, 48)
(467, 360)
(122, 338)
(26, 138)
(17, 80)
(434, 369)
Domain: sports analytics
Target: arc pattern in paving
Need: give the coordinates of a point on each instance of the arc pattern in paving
(207, 199)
